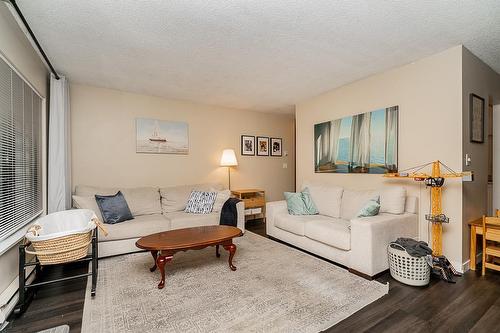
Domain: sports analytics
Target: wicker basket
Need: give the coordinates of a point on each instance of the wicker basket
(414, 271)
(63, 249)
(63, 246)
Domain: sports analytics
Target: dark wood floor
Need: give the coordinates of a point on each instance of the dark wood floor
(472, 304)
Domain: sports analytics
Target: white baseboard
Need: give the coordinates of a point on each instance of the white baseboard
(466, 264)
(10, 296)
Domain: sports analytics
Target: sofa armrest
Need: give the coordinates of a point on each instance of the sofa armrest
(370, 237)
(274, 208)
(240, 210)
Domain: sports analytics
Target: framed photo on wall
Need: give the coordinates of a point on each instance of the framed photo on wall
(161, 137)
(262, 146)
(276, 147)
(476, 120)
(248, 145)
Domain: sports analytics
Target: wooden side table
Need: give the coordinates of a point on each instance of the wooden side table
(476, 228)
(255, 202)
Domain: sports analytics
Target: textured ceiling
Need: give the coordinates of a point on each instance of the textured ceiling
(261, 55)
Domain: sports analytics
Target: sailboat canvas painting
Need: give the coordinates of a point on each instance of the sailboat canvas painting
(363, 143)
(162, 137)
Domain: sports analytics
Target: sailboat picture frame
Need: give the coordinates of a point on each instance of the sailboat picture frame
(162, 137)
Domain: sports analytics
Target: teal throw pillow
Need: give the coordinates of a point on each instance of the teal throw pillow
(300, 203)
(308, 202)
(371, 208)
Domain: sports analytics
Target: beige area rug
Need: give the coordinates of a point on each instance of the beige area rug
(275, 289)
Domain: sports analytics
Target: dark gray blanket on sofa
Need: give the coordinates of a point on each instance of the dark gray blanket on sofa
(229, 213)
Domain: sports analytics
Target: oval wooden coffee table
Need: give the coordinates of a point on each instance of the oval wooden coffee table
(164, 245)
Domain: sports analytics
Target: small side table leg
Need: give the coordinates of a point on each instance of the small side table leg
(155, 255)
(160, 262)
(473, 247)
(217, 254)
(232, 250)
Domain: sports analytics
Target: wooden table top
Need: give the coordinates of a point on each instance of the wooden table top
(188, 238)
(476, 222)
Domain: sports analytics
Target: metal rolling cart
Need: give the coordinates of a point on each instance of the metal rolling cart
(75, 250)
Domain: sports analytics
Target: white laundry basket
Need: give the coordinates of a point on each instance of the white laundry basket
(63, 236)
(414, 271)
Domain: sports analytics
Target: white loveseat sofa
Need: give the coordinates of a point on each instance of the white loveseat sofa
(336, 234)
(154, 209)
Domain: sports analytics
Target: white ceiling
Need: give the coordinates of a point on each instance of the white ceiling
(261, 55)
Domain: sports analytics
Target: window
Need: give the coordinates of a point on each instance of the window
(20, 152)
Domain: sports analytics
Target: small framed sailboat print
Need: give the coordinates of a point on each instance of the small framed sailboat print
(162, 137)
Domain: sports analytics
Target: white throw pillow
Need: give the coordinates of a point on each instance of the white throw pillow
(87, 203)
(326, 198)
(221, 198)
(392, 200)
(200, 202)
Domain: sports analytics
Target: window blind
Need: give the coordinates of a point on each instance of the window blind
(20, 152)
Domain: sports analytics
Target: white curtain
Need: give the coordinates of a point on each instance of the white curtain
(360, 140)
(334, 139)
(59, 151)
(391, 137)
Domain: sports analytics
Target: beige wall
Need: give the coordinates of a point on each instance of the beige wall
(429, 95)
(481, 80)
(16, 48)
(103, 143)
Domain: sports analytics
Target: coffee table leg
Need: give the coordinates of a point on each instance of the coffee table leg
(217, 254)
(155, 255)
(160, 262)
(232, 249)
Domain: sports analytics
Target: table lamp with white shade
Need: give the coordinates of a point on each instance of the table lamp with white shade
(228, 160)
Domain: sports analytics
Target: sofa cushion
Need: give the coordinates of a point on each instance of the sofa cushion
(333, 232)
(327, 198)
(296, 223)
(353, 201)
(138, 227)
(87, 203)
(291, 223)
(141, 200)
(179, 220)
(222, 197)
(175, 198)
(392, 200)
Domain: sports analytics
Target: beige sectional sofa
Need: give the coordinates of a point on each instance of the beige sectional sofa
(338, 235)
(154, 209)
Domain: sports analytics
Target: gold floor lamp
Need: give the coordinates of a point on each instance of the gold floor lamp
(228, 159)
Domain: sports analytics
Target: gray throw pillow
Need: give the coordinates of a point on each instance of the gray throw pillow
(114, 208)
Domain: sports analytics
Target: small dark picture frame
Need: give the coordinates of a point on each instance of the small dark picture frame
(476, 118)
(276, 147)
(248, 145)
(262, 146)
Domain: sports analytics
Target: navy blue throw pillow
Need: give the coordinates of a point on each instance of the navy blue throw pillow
(114, 208)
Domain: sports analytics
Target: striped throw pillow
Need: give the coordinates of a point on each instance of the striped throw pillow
(200, 202)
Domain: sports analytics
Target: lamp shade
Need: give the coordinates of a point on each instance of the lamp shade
(228, 158)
